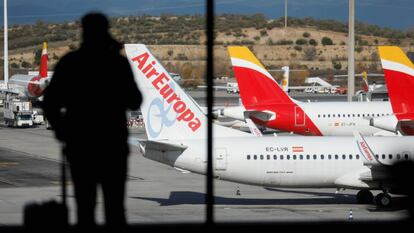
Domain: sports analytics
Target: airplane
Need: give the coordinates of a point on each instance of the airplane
(176, 136)
(398, 72)
(30, 86)
(366, 86)
(268, 105)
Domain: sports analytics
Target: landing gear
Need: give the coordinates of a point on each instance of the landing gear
(364, 197)
(383, 200)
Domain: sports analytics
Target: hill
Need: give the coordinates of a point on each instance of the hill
(319, 46)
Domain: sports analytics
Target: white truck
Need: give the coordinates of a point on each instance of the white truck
(18, 113)
(37, 118)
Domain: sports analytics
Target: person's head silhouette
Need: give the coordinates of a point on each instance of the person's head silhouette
(95, 30)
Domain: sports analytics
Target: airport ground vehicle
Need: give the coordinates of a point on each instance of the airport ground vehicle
(37, 118)
(232, 88)
(18, 113)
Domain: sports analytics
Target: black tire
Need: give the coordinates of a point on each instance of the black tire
(383, 200)
(364, 197)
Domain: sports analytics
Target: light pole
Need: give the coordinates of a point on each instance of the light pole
(351, 50)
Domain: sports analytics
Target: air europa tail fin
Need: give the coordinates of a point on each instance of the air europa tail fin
(167, 111)
(256, 85)
(43, 62)
(399, 76)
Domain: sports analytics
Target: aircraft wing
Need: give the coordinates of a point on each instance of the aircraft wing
(10, 91)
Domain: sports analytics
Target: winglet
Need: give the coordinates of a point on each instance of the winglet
(366, 152)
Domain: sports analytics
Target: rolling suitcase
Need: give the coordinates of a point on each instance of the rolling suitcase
(48, 215)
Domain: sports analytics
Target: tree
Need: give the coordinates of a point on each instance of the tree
(336, 64)
(326, 41)
(37, 56)
(313, 42)
(301, 42)
(306, 34)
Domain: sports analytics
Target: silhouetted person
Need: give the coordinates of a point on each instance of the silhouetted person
(86, 105)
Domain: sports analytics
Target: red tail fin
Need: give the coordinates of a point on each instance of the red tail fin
(256, 85)
(399, 76)
(43, 62)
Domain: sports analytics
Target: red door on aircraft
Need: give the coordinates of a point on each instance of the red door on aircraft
(299, 116)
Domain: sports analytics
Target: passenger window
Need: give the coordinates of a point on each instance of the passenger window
(307, 157)
(322, 156)
(363, 115)
(378, 114)
(261, 157)
(339, 115)
(343, 156)
(301, 157)
(343, 115)
(294, 157)
(314, 156)
(350, 156)
(281, 157)
(255, 157)
(358, 115)
(353, 115)
(323, 115)
(336, 157)
(268, 157)
(349, 115)
(398, 156)
(390, 156)
(319, 115)
(376, 156)
(333, 115)
(288, 157)
(329, 115)
(329, 157)
(248, 157)
(405, 156)
(383, 156)
(275, 157)
(357, 156)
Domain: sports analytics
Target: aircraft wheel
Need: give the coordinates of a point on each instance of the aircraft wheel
(364, 197)
(383, 200)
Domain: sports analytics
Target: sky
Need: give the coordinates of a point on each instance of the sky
(397, 14)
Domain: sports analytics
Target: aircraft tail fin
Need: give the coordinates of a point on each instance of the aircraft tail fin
(256, 85)
(43, 62)
(399, 76)
(168, 112)
(285, 81)
(365, 80)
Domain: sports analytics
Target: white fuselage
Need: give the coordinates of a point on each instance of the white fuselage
(331, 118)
(343, 118)
(292, 161)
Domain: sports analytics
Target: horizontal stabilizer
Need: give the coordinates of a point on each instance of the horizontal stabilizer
(162, 146)
(260, 115)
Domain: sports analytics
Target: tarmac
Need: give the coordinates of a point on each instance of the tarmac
(156, 193)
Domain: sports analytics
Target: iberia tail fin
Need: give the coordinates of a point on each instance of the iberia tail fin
(167, 110)
(256, 85)
(43, 62)
(399, 76)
